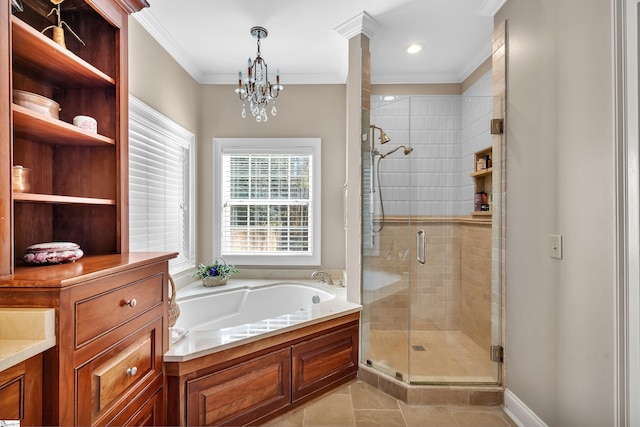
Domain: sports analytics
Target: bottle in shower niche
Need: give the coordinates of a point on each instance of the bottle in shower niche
(477, 202)
(487, 161)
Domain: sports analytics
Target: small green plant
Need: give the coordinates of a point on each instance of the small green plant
(215, 268)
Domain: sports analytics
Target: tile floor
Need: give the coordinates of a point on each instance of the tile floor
(358, 404)
(446, 356)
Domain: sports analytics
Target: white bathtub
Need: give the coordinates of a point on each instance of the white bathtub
(242, 311)
(245, 301)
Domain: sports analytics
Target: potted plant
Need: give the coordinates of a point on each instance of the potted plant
(214, 272)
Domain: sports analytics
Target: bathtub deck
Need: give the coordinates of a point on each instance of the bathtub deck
(201, 341)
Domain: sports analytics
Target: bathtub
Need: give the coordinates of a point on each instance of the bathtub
(217, 318)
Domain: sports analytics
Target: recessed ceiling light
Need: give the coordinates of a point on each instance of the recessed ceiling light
(389, 98)
(414, 48)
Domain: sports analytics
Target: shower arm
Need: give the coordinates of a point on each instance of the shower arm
(407, 150)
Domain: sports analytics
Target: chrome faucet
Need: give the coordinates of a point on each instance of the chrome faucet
(325, 276)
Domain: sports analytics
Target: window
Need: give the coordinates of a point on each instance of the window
(161, 202)
(267, 201)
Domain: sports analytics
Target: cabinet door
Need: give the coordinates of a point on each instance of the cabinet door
(242, 393)
(322, 361)
(21, 392)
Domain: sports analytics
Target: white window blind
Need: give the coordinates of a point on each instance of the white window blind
(161, 213)
(268, 201)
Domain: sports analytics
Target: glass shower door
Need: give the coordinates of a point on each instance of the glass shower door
(431, 307)
(386, 267)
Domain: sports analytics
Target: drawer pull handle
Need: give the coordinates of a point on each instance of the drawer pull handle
(132, 371)
(131, 302)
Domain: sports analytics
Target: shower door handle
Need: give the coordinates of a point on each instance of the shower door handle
(421, 247)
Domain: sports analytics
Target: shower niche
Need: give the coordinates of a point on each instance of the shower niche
(431, 309)
(482, 182)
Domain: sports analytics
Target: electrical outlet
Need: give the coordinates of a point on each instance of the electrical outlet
(555, 241)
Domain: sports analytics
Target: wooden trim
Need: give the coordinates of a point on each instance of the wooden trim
(132, 6)
(6, 143)
(86, 268)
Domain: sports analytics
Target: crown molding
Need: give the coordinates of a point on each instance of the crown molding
(490, 7)
(168, 43)
(363, 23)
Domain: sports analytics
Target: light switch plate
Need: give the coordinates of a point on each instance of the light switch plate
(555, 242)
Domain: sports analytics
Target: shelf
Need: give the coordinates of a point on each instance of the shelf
(482, 172)
(47, 130)
(49, 61)
(64, 200)
(481, 213)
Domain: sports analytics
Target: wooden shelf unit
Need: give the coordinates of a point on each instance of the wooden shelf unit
(48, 61)
(79, 180)
(45, 130)
(111, 305)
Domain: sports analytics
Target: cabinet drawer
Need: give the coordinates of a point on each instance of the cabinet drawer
(115, 376)
(99, 314)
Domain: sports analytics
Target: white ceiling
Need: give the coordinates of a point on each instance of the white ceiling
(212, 41)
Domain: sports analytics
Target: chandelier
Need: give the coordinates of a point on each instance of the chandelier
(255, 87)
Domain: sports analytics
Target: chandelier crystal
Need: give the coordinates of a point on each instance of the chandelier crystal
(255, 87)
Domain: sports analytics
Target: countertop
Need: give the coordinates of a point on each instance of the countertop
(25, 332)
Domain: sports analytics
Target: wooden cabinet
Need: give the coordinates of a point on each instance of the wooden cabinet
(321, 361)
(21, 392)
(482, 182)
(254, 382)
(78, 179)
(241, 393)
(111, 315)
(111, 336)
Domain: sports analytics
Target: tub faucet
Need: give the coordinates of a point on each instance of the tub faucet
(325, 276)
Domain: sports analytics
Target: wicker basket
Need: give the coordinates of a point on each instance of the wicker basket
(174, 309)
(211, 281)
(214, 281)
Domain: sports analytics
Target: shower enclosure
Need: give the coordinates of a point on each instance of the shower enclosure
(431, 303)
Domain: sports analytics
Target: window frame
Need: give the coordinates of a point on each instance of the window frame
(175, 134)
(269, 146)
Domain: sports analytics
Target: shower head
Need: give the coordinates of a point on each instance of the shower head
(384, 138)
(407, 151)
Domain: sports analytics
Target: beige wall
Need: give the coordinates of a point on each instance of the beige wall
(559, 137)
(303, 111)
(212, 111)
(159, 81)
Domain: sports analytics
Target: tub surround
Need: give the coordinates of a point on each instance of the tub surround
(25, 332)
(249, 373)
(198, 343)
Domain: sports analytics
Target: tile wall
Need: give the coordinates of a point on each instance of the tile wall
(444, 132)
(451, 291)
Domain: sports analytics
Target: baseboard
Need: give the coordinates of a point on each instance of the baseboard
(520, 413)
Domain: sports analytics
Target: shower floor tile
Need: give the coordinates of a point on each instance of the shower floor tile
(448, 356)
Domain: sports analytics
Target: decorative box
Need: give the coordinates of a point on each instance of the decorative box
(52, 253)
